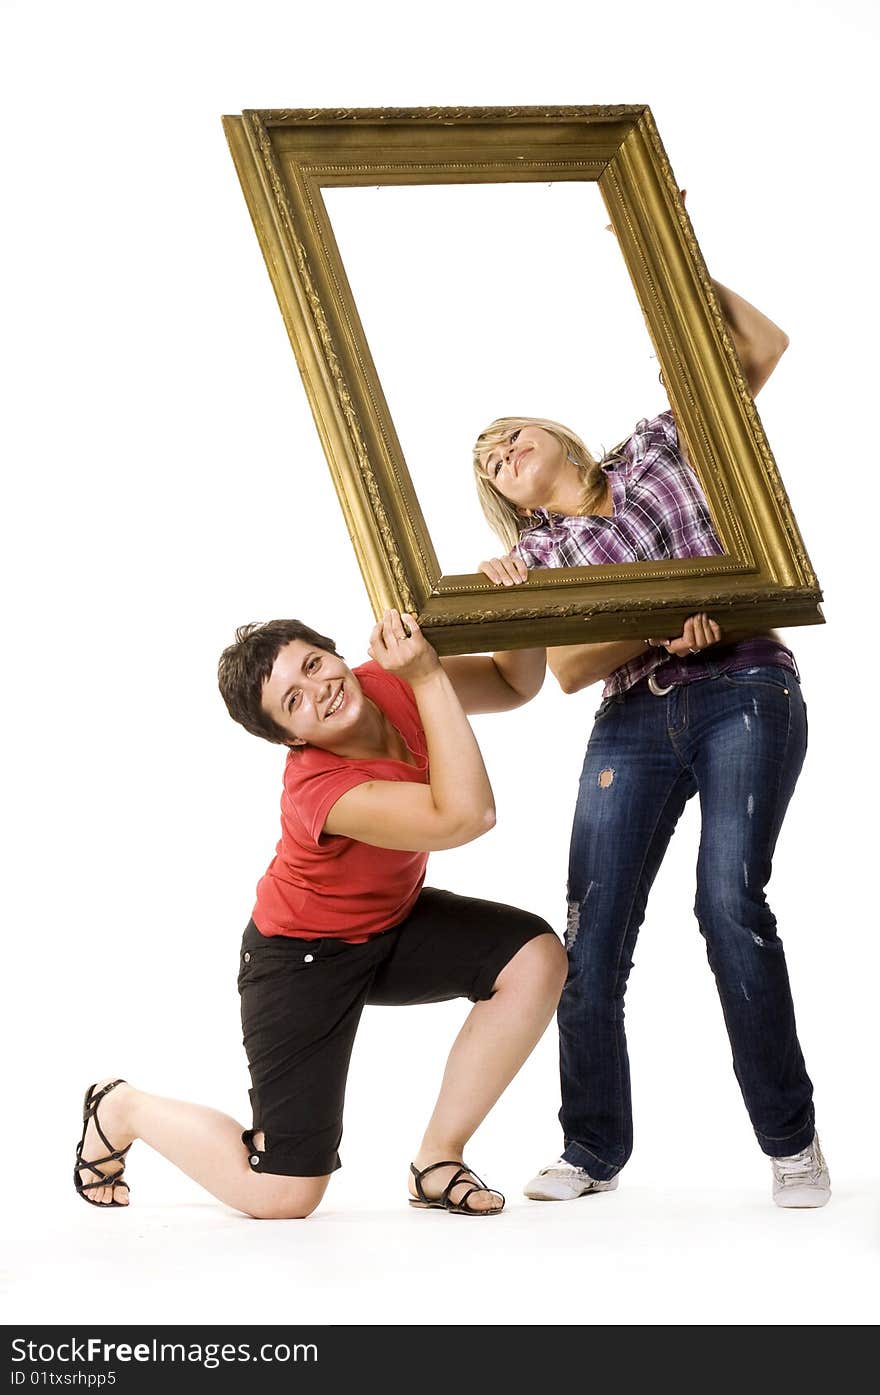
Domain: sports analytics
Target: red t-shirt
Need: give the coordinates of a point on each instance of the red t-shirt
(320, 884)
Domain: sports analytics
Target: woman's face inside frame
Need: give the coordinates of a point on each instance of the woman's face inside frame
(526, 465)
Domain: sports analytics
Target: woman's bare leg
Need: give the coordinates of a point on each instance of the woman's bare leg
(204, 1144)
(497, 1037)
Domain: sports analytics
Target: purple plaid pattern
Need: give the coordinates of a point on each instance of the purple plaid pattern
(659, 511)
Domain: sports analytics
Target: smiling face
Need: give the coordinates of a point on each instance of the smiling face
(313, 695)
(527, 466)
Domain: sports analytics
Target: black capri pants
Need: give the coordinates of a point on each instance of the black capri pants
(301, 1002)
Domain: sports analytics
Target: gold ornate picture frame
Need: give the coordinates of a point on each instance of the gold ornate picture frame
(285, 159)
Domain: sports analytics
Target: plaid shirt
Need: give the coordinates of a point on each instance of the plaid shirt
(658, 511)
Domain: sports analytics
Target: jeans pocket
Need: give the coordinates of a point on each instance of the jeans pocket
(767, 676)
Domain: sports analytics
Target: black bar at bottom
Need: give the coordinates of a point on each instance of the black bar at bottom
(132, 1358)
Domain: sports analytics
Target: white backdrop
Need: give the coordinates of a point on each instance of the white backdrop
(164, 482)
(488, 300)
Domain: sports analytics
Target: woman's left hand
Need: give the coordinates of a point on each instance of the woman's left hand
(399, 646)
(699, 633)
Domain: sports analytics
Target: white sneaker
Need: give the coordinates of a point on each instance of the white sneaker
(562, 1181)
(802, 1180)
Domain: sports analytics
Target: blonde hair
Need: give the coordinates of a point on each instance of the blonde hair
(503, 517)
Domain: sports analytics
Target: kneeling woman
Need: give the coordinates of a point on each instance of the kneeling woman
(383, 768)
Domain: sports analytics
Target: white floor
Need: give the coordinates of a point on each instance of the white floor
(664, 1254)
(691, 1236)
(160, 502)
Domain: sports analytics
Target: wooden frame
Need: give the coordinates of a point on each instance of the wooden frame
(285, 158)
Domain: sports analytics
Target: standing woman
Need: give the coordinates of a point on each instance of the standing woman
(382, 768)
(692, 715)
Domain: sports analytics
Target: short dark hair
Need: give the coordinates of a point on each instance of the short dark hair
(246, 664)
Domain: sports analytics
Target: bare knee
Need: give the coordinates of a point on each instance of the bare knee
(541, 964)
(262, 1211)
(285, 1198)
(556, 962)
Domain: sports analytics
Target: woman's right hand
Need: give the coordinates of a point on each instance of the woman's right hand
(505, 571)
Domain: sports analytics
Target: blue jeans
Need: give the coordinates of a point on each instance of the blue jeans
(738, 740)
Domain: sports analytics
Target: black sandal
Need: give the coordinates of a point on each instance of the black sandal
(443, 1201)
(90, 1111)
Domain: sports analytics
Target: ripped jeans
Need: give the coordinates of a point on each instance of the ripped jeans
(738, 740)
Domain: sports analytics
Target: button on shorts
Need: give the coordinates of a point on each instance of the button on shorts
(301, 1001)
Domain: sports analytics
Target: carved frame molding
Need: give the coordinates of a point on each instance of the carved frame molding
(284, 158)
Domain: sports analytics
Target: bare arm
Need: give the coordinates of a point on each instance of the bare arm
(576, 666)
(759, 342)
(457, 806)
(505, 680)
(497, 682)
